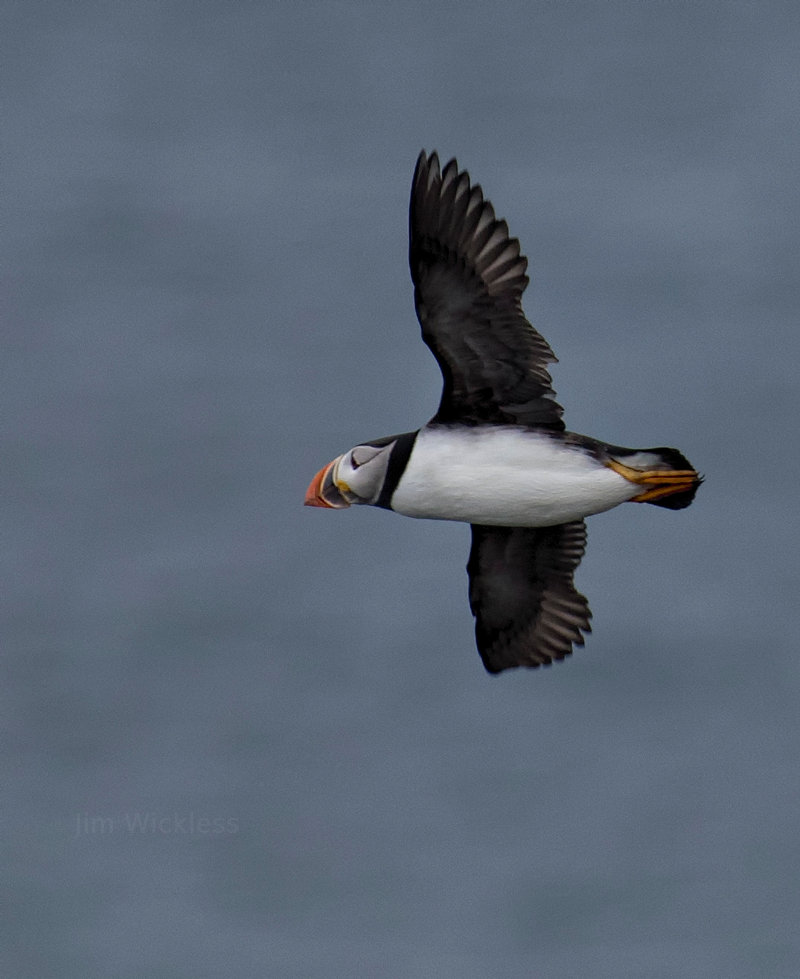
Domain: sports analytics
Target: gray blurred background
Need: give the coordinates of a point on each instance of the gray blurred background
(247, 739)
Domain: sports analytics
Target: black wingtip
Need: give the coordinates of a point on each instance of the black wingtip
(427, 163)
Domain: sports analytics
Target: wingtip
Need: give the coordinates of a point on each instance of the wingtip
(428, 164)
(422, 159)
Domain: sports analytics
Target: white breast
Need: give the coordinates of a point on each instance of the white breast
(501, 476)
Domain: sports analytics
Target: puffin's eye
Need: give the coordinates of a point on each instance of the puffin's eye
(362, 454)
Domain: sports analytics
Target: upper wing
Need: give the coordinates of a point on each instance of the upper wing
(521, 592)
(469, 278)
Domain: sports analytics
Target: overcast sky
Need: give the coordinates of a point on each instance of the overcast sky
(248, 739)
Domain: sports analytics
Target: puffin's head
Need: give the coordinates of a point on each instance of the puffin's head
(355, 477)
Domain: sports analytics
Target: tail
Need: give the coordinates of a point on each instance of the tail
(666, 476)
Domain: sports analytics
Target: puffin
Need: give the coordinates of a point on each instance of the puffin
(496, 454)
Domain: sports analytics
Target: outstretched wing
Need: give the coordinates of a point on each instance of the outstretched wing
(526, 607)
(469, 278)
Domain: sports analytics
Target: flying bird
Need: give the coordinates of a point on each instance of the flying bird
(496, 454)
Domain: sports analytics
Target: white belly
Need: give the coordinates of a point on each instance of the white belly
(507, 477)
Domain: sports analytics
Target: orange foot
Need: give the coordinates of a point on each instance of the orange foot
(663, 482)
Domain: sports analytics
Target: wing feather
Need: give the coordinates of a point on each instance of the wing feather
(521, 592)
(469, 277)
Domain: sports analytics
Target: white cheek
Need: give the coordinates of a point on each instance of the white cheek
(367, 481)
(363, 481)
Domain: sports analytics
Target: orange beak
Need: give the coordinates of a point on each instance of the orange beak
(322, 491)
